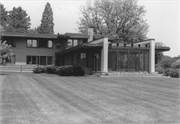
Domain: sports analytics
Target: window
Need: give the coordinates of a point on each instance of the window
(58, 44)
(32, 60)
(42, 60)
(43, 43)
(11, 42)
(75, 42)
(80, 41)
(50, 44)
(49, 60)
(31, 43)
(70, 43)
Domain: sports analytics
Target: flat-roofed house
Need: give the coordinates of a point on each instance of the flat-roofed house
(93, 52)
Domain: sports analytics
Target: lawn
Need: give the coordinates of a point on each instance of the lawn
(27, 98)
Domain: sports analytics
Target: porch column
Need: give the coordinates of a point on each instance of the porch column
(104, 56)
(152, 57)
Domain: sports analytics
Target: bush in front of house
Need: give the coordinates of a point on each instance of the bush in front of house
(159, 69)
(78, 71)
(175, 73)
(40, 70)
(65, 71)
(51, 69)
(61, 71)
(70, 71)
(172, 72)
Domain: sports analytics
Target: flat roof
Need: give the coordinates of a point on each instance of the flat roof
(50, 36)
(29, 35)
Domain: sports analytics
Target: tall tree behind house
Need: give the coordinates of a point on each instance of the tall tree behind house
(120, 18)
(18, 20)
(47, 24)
(3, 16)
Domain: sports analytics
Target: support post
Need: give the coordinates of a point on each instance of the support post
(104, 56)
(152, 57)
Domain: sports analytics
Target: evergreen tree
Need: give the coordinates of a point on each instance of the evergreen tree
(4, 16)
(19, 21)
(120, 18)
(47, 25)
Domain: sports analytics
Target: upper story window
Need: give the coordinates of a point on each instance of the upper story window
(80, 41)
(32, 43)
(69, 43)
(42, 43)
(50, 44)
(74, 42)
(11, 42)
(58, 44)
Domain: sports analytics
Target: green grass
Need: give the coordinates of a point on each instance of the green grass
(49, 99)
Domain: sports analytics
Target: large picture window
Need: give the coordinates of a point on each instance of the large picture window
(39, 60)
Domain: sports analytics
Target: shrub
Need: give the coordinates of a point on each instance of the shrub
(70, 71)
(167, 72)
(171, 72)
(176, 64)
(51, 69)
(174, 73)
(62, 70)
(65, 71)
(39, 70)
(159, 69)
(78, 71)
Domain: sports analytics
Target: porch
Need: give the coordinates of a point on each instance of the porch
(103, 55)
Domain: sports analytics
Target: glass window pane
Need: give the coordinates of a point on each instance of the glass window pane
(28, 60)
(69, 43)
(58, 44)
(75, 43)
(80, 41)
(34, 43)
(49, 60)
(50, 44)
(29, 44)
(42, 60)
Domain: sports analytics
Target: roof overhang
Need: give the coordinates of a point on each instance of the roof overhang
(81, 47)
(29, 35)
(162, 49)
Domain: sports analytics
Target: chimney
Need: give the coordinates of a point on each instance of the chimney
(90, 33)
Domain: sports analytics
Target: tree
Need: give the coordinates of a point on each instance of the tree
(5, 49)
(4, 16)
(33, 31)
(120, 18)
(47, 24)
(19, 21)
(158, 55)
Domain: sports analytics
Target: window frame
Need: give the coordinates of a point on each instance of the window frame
(31, 43)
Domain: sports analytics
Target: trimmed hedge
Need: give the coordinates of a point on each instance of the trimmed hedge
(62, 70)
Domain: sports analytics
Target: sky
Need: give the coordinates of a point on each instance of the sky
(163, 17)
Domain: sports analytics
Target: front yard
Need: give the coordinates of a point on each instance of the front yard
(50, 99)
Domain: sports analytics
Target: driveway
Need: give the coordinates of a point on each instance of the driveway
(27, 98)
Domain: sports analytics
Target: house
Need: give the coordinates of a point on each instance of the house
(93, 52)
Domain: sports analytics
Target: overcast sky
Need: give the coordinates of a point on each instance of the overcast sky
(162, 17)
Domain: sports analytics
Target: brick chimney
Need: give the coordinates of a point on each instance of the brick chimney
(90, 33)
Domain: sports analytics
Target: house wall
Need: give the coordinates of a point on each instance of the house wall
(21, 51)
